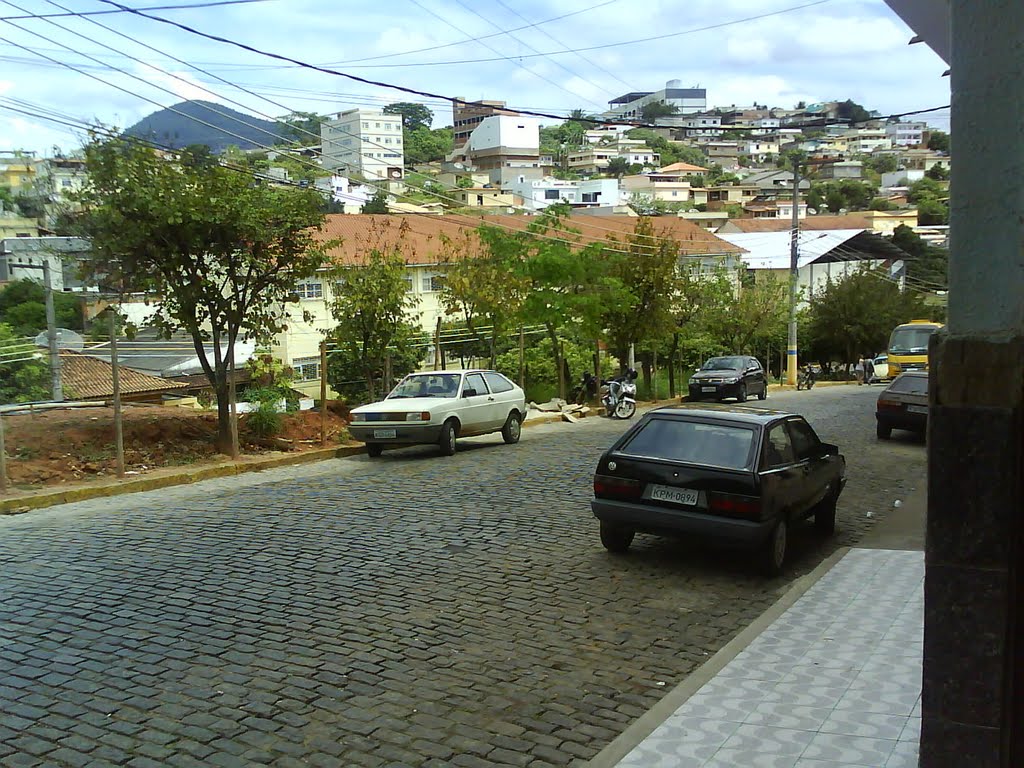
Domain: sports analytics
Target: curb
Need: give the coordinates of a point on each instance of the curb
(169, 477)
(645, 725)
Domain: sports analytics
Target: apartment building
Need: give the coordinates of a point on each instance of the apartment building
(506, 148)
(687, 101)
(366, 142)
(907, 134)
(467, 115)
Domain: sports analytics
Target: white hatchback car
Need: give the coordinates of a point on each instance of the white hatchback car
(439, 406)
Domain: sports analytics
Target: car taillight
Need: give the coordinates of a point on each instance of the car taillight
(735, 505)
(889, 405)
(606, 487)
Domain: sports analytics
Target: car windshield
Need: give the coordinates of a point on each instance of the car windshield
(911, 340)
(693, 442)
(910, 385)
(427, 385)
(724, 363)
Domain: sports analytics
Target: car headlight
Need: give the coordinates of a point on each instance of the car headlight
(421, 416)
(358, 417)
(732, 380)
(695, 381)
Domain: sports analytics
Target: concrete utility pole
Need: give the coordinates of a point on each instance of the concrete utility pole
(794, 254)
(57, 388)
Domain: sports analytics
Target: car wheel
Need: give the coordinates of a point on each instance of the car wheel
(825, 514)
(615, 538)
(512, 429)
(773, 556)
(764, 392)
(373, 450)
(742, 396)
(625, 409)
(446, 442)
(883, 431)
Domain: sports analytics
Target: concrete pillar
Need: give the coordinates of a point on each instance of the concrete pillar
(973, 682)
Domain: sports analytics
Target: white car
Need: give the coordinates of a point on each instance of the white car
(438, 407)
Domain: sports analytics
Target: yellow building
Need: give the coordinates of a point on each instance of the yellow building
(13, 225)
(16, 171)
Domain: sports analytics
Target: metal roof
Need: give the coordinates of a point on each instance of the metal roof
(771, 250)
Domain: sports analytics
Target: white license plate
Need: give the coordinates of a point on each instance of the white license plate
(917, 409)
(384, 434)
(708, 389)
(674, 495)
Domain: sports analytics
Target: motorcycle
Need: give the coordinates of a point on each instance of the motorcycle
(805, 380)
(585, 391)
(620, 398)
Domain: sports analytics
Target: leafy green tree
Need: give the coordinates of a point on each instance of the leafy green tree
(346, 365)
(423, 145)
(852, 111)
(671, 152)
(222, 254)
(618, 167)
(880, 162)
(938, 141)
(927, 194)
(372, 309)
(23, 307)
(851, 194)
(24, 372)
(882, 204)
(303, 127)
(854, 315)
(376, 204)
(6, 198)
(759, 312)
(651, 111)
(414, 115)
(928, 264)
(938, 172)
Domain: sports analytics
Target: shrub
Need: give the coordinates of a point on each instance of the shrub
(265, 421)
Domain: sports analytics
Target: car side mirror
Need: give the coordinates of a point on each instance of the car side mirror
(469, 392)
(829, 450)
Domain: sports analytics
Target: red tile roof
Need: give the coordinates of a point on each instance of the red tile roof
(814, 223)
(423, 237)
(88, 378)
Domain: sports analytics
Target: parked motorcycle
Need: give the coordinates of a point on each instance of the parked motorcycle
(620, 398)
(585, 391)
(806, 379)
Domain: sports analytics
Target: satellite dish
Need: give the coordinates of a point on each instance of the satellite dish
(66, 339)
(812, 211)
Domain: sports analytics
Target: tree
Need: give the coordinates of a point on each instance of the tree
(851, 194)
(303, 127)
(24, 373)
(372, 307)
(618, 167)
(880, 162)
(23, 307)
(759, 312)
(376, 204)
(938, 172)
(651, 111)
(414, 116)
(938, 141)
(927, 194)
(928, 264)
(670, 151)
(220, 252)
(427, 146)
(852, 111)
(855, 314)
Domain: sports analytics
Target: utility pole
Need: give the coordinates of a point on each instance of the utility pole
(794, 254)
(116, 386)
(57, 390)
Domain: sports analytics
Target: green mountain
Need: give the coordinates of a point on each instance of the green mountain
(202, 122)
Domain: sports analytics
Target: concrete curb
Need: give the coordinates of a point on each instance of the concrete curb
(645, 725)
(171, 476)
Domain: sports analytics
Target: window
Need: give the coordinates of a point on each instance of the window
(431, 283)
(65, 182)
(911, 385)
(366, 125)
(550, 194)
(806, 444)
(306, 368)
(387, 139)
(720, 445)
(376, 125)
(475, 381)
(498, 383)
(408, 283)
(591, 197)
(310, 290)
(778, 448)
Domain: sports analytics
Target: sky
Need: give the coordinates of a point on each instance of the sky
(476, 49)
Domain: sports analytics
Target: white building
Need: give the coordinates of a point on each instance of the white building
(505, 147)
(538, 194)
(866, 140)
(341, 190)
(366, 142)
(906, 134)
(709, 125)
(687, 101)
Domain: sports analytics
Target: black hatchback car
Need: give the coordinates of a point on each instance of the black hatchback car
(736, 376)
(903, 405)
(729, 475)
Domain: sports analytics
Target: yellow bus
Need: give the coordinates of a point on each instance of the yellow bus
(908, 346)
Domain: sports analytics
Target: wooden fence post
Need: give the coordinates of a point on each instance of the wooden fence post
(116, 386)
(323, 392)
(3, 458)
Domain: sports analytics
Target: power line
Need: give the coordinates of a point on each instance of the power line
(148, 8)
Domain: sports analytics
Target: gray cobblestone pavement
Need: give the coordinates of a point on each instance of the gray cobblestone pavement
(410, 610)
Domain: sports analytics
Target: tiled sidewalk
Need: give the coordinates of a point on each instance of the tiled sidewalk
(834, 681)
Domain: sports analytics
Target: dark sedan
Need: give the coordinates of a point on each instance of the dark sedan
(730, 475)
(903, 405)
(730, 376)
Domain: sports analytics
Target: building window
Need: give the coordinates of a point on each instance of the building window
(376, 125)
(550, 194)
(431, 283)
(310, 290)
(408, 283)
(366, 125)
(591, 197)
(306, 368)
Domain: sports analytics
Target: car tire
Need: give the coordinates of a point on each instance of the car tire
(825, 514)
(883, 431)
(764, 392)
(773, 556)
(446, 442)
(615, 538)
(373, 450)
(742, 396)
(513, 427)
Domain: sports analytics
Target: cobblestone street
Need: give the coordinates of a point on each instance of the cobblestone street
(408, 610)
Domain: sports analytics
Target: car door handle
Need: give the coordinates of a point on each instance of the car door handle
(491, 399)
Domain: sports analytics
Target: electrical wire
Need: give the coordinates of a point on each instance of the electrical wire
(148, 8)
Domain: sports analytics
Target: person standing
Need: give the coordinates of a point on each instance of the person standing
(869, 369)
(859, 371)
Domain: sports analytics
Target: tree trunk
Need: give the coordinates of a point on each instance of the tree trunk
(672, 365)
(645, 366)
(494, 354)
(223, 416)
(557, 347)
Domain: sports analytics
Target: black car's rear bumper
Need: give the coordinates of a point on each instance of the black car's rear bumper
(682, 522)
(912, 422)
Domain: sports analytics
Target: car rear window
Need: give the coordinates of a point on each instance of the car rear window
(910, 385)
(692, 442)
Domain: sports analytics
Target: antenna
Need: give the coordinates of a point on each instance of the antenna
(66, 339)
